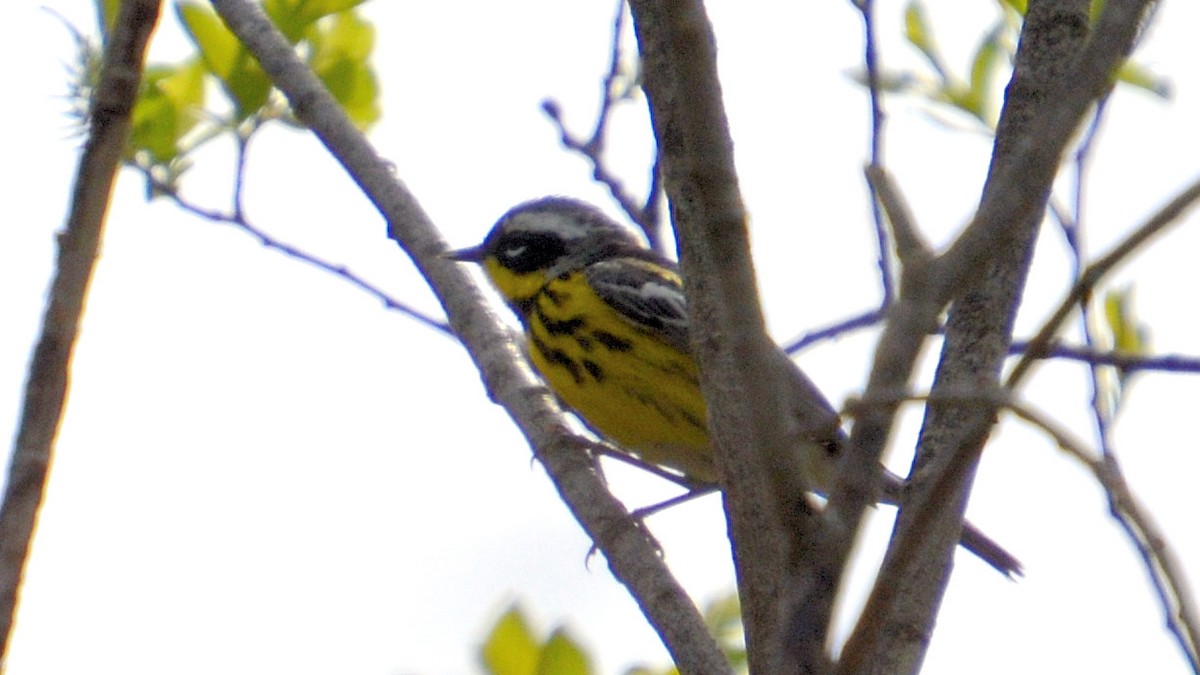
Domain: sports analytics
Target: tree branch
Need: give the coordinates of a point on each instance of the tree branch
(836, 329)
(631, 556)
(1166, 574)
(866, 9)
(49, 370)
(1168, 215)
(1130, 363)
(1057, 77)
(237, 218)
(758, 403)
(645, 214)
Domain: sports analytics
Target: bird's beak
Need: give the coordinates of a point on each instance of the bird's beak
(473, 254)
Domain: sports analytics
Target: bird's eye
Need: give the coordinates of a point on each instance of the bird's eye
(525, 252)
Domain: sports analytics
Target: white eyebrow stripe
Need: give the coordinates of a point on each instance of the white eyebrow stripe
(554, 223)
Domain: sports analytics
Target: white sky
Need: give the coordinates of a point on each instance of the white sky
(262, 471)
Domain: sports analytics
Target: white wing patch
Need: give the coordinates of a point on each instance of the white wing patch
(645, 296)
(667, 299)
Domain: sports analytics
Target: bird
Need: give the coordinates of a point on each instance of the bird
(605, 325)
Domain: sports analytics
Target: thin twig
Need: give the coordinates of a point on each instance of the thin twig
(1124, 361)
(1169, 584)
(238, 220)
(1166, 575)
(878, 127)
(1102, 408)
(596, 143)
(1083, 155)
(239, 173)
(864, 320)
(592, 148)
(1168, 215)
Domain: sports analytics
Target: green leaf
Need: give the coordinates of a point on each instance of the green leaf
(290, 17)
(239, 73)
(920, 35)
(1137, 76)
(168, 107)
(1018, 6)
(917, 31)
(328, 7)
(562, 656)
(983, 67)
(1128, 334)
(510, 647)
(724, 618)
(293, 17)
(341, 49)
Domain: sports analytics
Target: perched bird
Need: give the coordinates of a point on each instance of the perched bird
(605, 319)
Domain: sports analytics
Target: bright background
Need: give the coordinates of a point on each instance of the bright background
(263, 471)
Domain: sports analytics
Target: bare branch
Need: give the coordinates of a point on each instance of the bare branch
(49, 370)
(878, 124)
(238, 220)
(644, 214)
(911, 247)
(1166, 575)
(1087, 74)
(592, 149)
(1057, 77)
(1130, 363)
(1168, 215)
(1168, 582)
(1033, 164)
(864, 320)
(631, 556)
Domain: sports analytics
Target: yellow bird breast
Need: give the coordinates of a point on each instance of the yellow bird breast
(626, 384)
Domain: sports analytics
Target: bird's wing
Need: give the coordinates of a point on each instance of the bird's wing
(648, 294)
